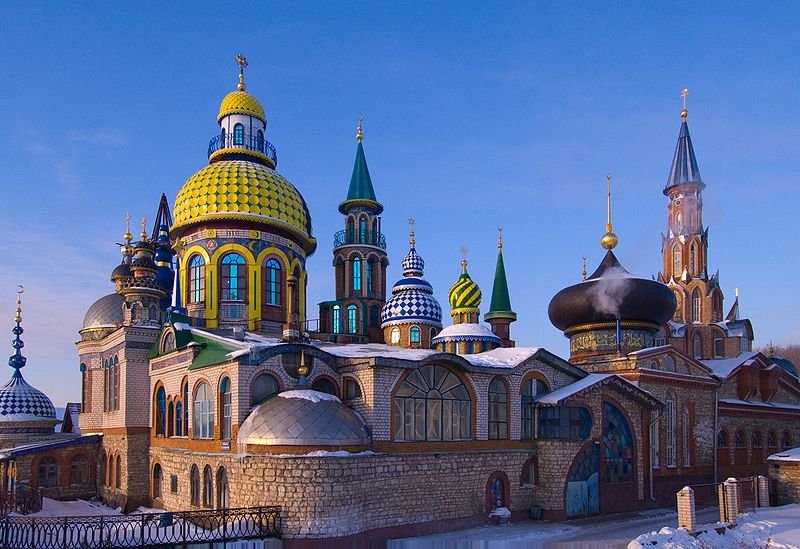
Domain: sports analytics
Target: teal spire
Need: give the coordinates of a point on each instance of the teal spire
(500, 306)
(361, 191)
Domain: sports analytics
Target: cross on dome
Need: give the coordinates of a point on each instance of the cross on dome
(241, 60)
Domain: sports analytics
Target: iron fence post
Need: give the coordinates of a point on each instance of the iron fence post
(5, 532)
(101, 530)
(224, 523)
(64, 534)
(141, 538)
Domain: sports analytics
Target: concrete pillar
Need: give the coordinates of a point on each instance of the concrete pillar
(686, 511)
(762, 491)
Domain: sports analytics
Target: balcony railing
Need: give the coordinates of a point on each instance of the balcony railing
(369, 238)
(247, 141)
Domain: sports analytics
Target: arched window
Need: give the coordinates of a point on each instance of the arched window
(678, 316)
(115, 395)
(197, 279)
(103, 468)
(106, 386)
(755, 439)
(362, 226)
(786, 440)
(370, 278)
(118, 472)
(208, 487)
(79, 470)
(352, 390)
(433, 333)
(395, 338)
(233, 278)
(337, 319)
(679, 223)
(157, 480)
(722, 439)
(226, 403)
(185, 408)
(374, 316)
(498, 410)
(738, 440)
(179, 419)
(564, 422)
(677, 267)
(661, 337)
(170, 419)
(531, 389)
(264, 387)
(351, 229)
(194, 485)
(413, 335)
(259, 141)
(669, 364)
(692, 268)
(48, 472)
(654, 365)
(719, 345)
(272, 289)
(697, 346)
(223, 497)
(110, 471)
(203, 413)
(432, 403)
(168, 344)
(161, 412)
(352, 319)
(618, 441)
(696, 305)
(687, 426)
(238, 134)
(655, 442)
(84, 389)
(772, 439)
(356, 274)
(324, 385)
(223, 144)
(671, 420)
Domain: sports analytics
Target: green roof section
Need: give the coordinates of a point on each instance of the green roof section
(211, 350)
(361, 191)
(500, 306)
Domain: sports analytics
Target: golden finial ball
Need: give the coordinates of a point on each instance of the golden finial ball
(609, 241)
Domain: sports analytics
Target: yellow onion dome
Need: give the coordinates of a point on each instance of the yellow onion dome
(241, 102)
(244, 191)
(465, 294)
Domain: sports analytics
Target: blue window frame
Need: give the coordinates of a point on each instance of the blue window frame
(352, 320)
(260, 141)
(273, 285)
(370, 281)
(362, 225)
(233, 278)
(161, 412)
(564, 422)
(178, 419)
(337, 319)
(357, 274)
(414, 335)
(197, 279)
(238, 134)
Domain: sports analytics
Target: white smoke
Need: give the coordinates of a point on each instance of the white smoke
(609, 291)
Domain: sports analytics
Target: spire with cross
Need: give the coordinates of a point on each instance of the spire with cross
(241, 60)
(684, 112)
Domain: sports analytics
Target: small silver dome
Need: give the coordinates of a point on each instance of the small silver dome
(106, 312)
(304, 418)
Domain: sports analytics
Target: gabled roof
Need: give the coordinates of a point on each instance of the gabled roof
(361, 191)
(684, 164)
(593, 382)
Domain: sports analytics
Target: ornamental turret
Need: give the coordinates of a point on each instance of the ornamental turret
(359, 262)
(142, 292)
(500, 315)
(466, 335)
(412, 317)
(242, 231)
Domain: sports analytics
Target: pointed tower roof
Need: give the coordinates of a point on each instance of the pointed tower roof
(684, 163)
(500, 306)
(361, 192)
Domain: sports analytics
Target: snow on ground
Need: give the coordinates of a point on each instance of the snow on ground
(773, 527)
(79, 508)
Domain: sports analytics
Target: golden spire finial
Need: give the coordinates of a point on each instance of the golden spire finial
(18, 313)
(411, 222)
(128, 236)
(360, 128)
(771, 348)
(684, 112)
(143, 234)
(584, 267)
(609, 240)
(241, 60)
(464, 251)
(499, 239)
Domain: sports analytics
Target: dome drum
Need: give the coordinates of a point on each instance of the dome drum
(228, 145)
(606, 338)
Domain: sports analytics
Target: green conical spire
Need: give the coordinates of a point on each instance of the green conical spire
(500, 306)
(361, 191)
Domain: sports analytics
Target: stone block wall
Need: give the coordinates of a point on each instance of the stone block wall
(786, 475)
(335, 497)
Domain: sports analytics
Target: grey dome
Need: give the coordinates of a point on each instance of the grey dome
(106, 312)
(304, 418)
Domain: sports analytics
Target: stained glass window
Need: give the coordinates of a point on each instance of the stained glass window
(586, 464)
(564, 422)
(498, 410)
(414, 335)
(432, 404)
(618, 444)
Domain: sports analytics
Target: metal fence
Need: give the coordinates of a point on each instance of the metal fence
(22, 500)
(165, 529)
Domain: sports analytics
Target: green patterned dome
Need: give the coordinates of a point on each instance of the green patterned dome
(465, 294)
(244, 191)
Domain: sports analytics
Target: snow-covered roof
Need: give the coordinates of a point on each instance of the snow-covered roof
(502, 357)
(559, 395)
(366, 350)
(648, 350)
(724, 367)
(309, 394)
(760, 403)
(791, 456)
(466, 331)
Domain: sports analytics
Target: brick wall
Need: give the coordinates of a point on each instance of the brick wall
(787, 480)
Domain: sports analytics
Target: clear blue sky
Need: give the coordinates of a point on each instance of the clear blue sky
(477, 115)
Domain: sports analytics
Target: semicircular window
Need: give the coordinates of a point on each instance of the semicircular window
(432, 404)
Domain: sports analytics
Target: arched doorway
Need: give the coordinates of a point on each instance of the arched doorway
(583, 483)
(619, 462)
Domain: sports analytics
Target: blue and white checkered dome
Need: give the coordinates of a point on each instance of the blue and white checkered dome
(412, 300)
(413, 264)
(20, 402)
